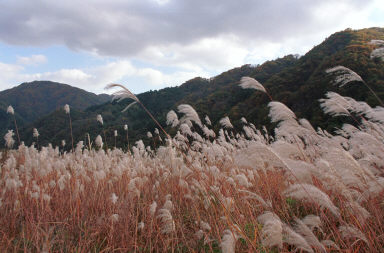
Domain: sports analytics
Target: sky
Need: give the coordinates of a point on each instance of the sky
(152, 44)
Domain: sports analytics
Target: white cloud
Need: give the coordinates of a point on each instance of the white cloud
(32, 60)
(127, 28)
(96, 78)
(173, 41)
(8, 72)
(210, 54)
(69, 76)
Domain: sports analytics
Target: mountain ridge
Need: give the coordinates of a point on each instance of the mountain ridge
(295, 81)
(33, 100)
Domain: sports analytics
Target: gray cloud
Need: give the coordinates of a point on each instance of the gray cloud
(126, 28)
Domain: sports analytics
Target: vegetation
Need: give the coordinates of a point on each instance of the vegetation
(237, 189)
(34, 100)
(296, 81)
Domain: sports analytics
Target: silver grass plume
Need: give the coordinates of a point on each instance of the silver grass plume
(350, 232)
(228, 242)
(378, 53)
(152, 208)
(207, 120)
(344, 75)
(377, 42)
(67, 109)
(247, 82)
(190, 115)
(122, 94)
(8, 137)
(272, 232)
(125, 93)
(280, 112)
(168, 224)
(99, 119)
(226, 123)
(35, 133)
(10, 110)
(312, 221)
(293, 238)
(311, 194)
(172, 118)
(301, 228)
(335, 104)
(99, 141)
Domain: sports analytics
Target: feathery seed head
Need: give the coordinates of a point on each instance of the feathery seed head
(114, 198)
(247, 82)
(226, 123)
(152, 208)
(343, 75)
(190, 115)
(207, 120)
(121, 94)
(172, 118)
(280, 112)
(126, 127)
(115, 133)
(67, 109)
(10, 110)
(8, 137)
(335, 104)
(377, 42)
(312, 194)
(272, 232)
(99, 141)
(378, 53)
(35, 133)
(99, 119)
(228, 242)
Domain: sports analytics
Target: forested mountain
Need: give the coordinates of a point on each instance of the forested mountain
(296, 81)
(34, 100)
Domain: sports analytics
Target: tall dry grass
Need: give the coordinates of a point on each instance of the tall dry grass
(306, 190)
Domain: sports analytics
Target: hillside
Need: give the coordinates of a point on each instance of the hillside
(297, 82)
(34, 100)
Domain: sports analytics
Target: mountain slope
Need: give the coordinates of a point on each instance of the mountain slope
(35, 99)
(297, 82)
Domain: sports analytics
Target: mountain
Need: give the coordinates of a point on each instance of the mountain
(34, 100)
(296, 81)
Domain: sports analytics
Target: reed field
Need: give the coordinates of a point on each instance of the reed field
(293, 189)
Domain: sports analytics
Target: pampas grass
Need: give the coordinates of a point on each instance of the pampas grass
(299, 190)
(125, 93)
(344, 76)
(68, 111)
(10, 110)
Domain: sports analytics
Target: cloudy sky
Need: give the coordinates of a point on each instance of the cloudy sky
(151, 44)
